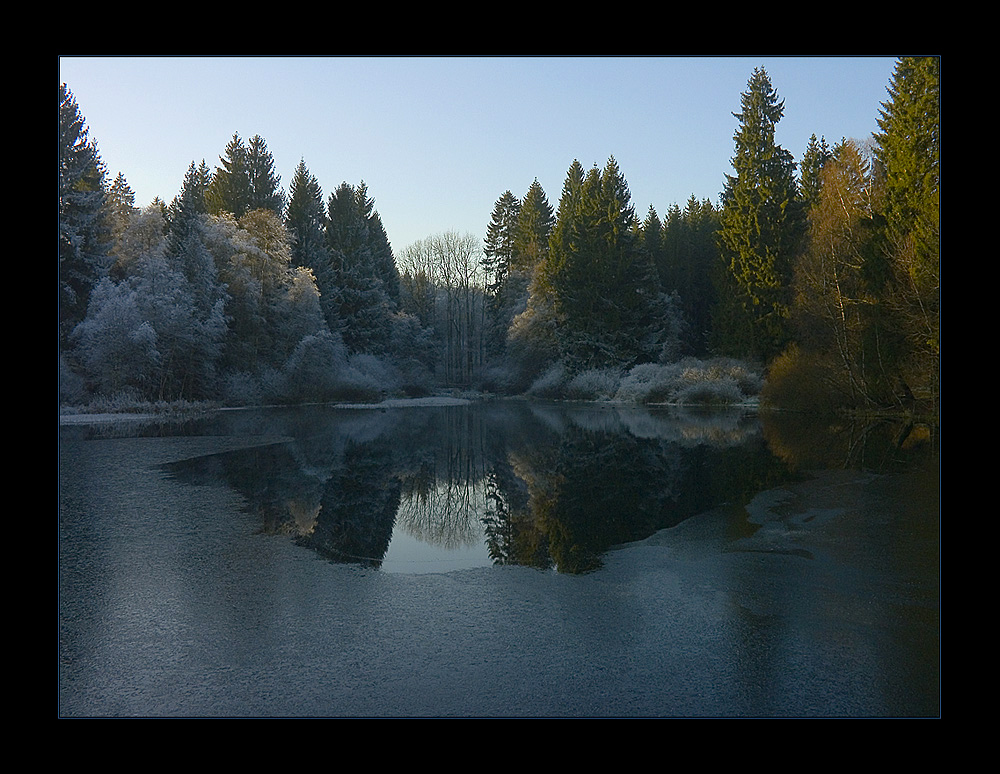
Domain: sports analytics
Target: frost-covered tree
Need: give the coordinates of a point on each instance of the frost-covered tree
(85, 238)
(147, 334)
(116, 344)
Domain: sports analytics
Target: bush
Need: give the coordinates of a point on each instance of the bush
(498, 379)
(72, 388)
(550, 384)
(713, 392)
(801, 381)
(594, 384)
(242, 389)
(648, 383)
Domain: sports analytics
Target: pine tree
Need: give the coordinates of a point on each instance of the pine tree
(761, 229)
(264, 183)
(908, 148)
(121, 209)
(497, 262)
(816, 155)
(305, 219)
(382, 256)
(364, 304)
(534, 227)
(603, 287)
(188, 207)
(85, 238)
(229, 190)
(190, 370)
(907, 279)
(498, 247)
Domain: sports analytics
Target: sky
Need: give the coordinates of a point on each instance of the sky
(438, 140)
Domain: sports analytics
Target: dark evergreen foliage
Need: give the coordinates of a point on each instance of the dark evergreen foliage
(235, 290)
(363, 293)
(761, 230)
(85, 238)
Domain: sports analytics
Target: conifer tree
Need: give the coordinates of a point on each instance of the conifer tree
(816, 155)
(907, 279)
(264, 183)
(498, 248)
(534, 227)
(603, 287)
(908, 148)
(382, 256)
(497, 262)
(85, 238)
(190, 370)
(305, 219)
(229, 189)
(761, 230)
(245, 180)
(363, 302)
(188, 207)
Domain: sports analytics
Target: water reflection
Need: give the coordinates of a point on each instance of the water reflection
(551, 486)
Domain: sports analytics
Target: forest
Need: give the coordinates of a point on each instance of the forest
(812, 285)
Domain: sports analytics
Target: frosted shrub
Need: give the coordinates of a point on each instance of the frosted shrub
(648, 383)
(710, 391)
(594, 384)
(722, 371)
(550, 384)
(72, 389)
(499, 379)
(372, 374)
(242, 389)
(318, 371)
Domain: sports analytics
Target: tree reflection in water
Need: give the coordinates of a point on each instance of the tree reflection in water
(551, 486)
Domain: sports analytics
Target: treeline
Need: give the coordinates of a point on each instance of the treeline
(824, 272)
(832, 277)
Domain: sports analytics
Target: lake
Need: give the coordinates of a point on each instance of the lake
(498, 559)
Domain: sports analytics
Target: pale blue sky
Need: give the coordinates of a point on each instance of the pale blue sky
(438, 140)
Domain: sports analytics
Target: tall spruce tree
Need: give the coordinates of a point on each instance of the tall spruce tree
(761, 229)
(265, 184)
(907, 279)
(498, 247)
(816, 155)
(363, 301)
(603, 287)
(229, 189)
(534, 227)
(245, 180)
(497, 262)
(85, 237)
(305, 219)
(908, 149)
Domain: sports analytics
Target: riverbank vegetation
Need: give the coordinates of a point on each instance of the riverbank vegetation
(812, 285)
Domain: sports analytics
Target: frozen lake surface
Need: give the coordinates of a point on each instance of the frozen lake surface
(506, 559)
